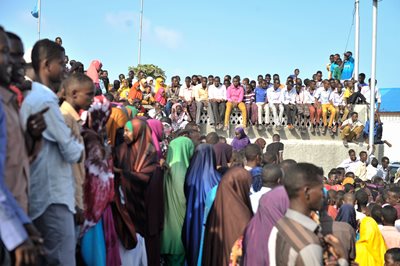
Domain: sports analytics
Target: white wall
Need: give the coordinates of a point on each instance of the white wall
(391, 133)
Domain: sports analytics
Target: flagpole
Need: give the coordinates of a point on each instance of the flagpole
(373, 73)
(39, 17)
(140, 32)
(357, 41)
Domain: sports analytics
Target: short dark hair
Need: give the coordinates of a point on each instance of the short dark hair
(353, 113)
(271, 173)
(389, 214)
(76, 78)
(13, 36)
(394, 253)
(374, 162)
(300, 175)
(45, 49)
(252, 151)
(361, 198)
(351, 151)
(212, 138)
(385, 158)
(362, 75)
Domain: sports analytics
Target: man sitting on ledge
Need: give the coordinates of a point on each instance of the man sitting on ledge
(234, 96)
(351, 128)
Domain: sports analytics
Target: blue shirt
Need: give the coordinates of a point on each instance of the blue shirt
(12, 217)
(51, 180)
(333, 66)
(348, 68)
(261, 94)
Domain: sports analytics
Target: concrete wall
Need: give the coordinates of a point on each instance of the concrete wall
(391, 133)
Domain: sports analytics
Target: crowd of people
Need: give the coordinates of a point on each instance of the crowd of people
(89, 176)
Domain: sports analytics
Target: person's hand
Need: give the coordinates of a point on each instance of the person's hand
(79, 217)
(36, 124)
(26, 253)
(35, 237)
(334, 246)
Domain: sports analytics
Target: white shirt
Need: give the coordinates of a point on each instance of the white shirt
(288, 96)
(186, 92)
(337, 99)
(366, 91)
(323, 95)
(352, 124)
(256, 196)
(371, 172)
(309, 97)
(218, 93)
(381, 172)
(274, 96)
(349, 165)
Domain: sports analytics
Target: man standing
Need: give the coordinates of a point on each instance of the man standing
(51, 197)
(288, 99)
(234, 96)
(274, 102)
(350, 164)
(187, 96)
(351, 128)
(347, 66)
(296, 238)
(322, 99)
(217, 99)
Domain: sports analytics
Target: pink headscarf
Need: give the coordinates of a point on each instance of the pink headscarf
(159, 98)
(93, 71)
(157, 129)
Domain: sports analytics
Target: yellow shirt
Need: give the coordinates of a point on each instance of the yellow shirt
(123, 93)
(347, 93)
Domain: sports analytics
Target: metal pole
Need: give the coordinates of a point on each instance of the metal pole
(39, 17)
(357, 41)
(140, 33)
(373, 73)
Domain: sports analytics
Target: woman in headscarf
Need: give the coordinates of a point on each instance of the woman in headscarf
(150, 82)
(160, 96)
(179, 154)
(136, 92)
(159, 84)
(272, 207)
(137, 167)
(228, 217)
(156, 134)
(98, 188)
(117, 120)
(93, 72)
(124, 90)
(241, 140)
(370, 248)
(201, 177)
(347, 214)
(179, 117)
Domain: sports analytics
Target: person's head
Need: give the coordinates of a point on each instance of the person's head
(392, 257)
(312, 85)
(276, 138)
(332, 176)
(339, 88)
(58, 41)
(121, 77)
(303, 183)
(48, 63)
(261, 143)
(263, 84)
(361, 78)
(318, 76)
(394, 196)
(79, 91)
(296, 72)
(195, 80)
(212, 138)
(348, 188)
(228, 77)
(131, 74)
(289, 85)
(237, 159)
(217, 81)
(361, 199)
(268, 78)
(277, 84)
(252, 154)
(141, 75)
(327, 84)
(5, 59)
(188, 81)
(385, 162)
(354, 116)
(336, 57)
(286, 165)
(222, 139)
(271, 175)
(352, 155)
(236, 81)
(331, 58)
(374, 162)
(17, 58)
(269, 158)
(347, 55)
(332, 194)
(239, 133)
(227, 83)
(204, 82)
(210, 79)
(349, 198)
(259, 78)
(389, 215)
(363, 156)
